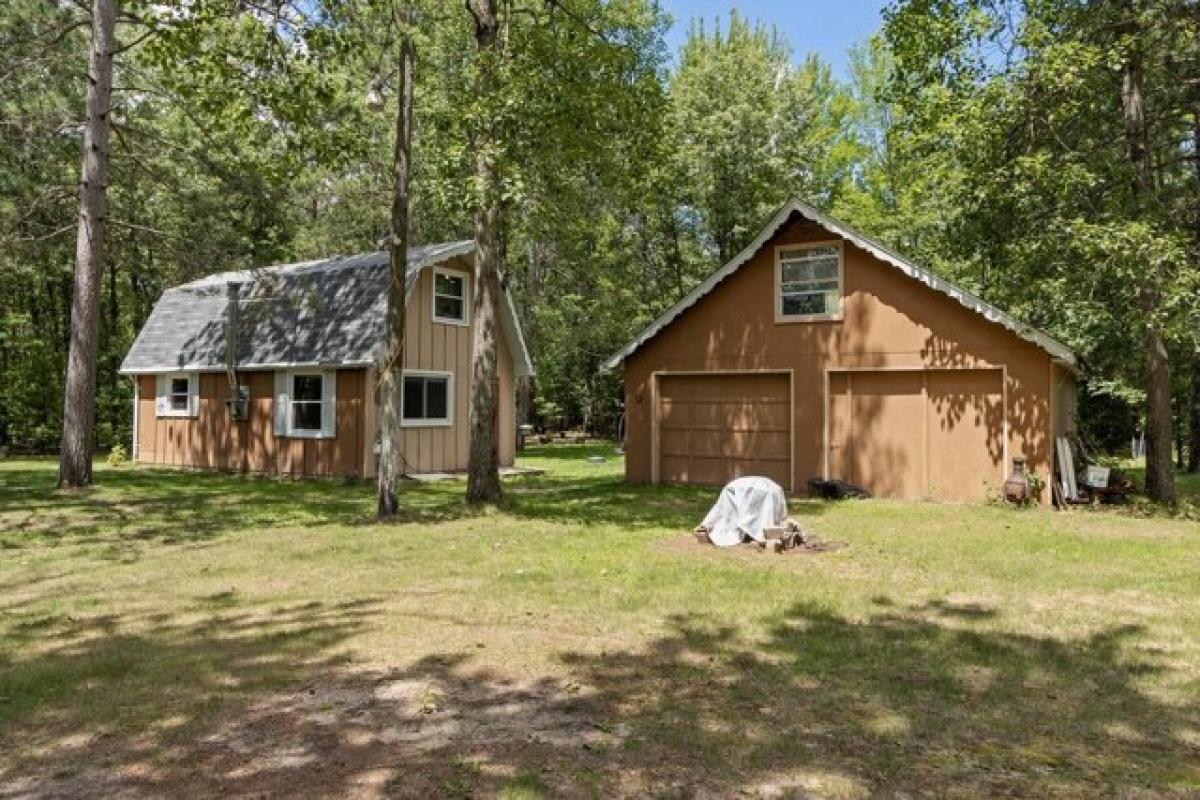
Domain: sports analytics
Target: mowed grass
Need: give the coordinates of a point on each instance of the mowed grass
(186, 634)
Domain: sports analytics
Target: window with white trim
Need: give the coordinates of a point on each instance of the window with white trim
(307, 402)
(428, 398)
(450, 295)
(809, 281)
(176, 395)
(179, 397)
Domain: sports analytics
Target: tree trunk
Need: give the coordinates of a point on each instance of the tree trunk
(390, 396)
(483, 466)
(1160, 469)
(79, 406)
(1193, 464)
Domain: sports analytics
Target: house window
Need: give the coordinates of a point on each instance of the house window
(428, 398)
(176, 395)
(308, 398)
(809, 282)
(180, 397)
(450, 297)
(306, 403)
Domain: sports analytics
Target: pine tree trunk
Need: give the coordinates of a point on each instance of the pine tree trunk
(390, 397)
(483, 466)
(79, 405)
(1160, 469)
(1193, 464)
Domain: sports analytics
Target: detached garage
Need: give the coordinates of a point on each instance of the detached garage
(817, 352)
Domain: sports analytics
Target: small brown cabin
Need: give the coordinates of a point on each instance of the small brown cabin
(292, 390)
(817, 352)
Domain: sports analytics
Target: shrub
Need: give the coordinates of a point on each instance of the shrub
(118, 456)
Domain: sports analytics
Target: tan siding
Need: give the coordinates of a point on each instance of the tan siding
(212, 440)
(508, 411)
(439, 347)
(890, 321)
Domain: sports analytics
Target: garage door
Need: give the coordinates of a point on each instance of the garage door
(713, 428)
(915, 434)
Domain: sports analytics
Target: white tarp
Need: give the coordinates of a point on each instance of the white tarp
(745, 508)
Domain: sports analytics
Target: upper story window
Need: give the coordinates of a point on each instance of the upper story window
(450, 296)
(808, 282)
(176, 395)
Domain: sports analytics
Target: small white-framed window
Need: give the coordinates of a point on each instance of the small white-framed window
(177, 395)
(307, 399)
(451, 296)
(306, 403)
(808, 282)
(428, 399)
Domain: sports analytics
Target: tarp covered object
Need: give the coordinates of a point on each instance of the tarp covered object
(746, 507)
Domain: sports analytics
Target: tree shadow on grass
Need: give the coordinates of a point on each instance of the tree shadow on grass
(144, 505)
(914, 702)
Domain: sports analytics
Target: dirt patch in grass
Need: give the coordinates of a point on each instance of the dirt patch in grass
(437, 729)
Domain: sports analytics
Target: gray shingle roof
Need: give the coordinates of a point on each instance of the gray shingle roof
(327, 312)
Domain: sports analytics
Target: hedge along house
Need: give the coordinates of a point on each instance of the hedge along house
(817, 352)
(292, 390)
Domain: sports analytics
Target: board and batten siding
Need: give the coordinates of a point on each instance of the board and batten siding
(439, 347)
(213, 440)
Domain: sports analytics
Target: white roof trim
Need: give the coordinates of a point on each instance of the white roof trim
(1058, 351)
(523, 362)
(246, 367)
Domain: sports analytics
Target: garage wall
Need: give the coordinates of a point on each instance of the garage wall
(889, 321)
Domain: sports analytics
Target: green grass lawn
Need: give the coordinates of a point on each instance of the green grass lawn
(182, 634)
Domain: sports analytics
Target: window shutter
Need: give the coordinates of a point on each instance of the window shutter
(281, 402)
(160, 395)
(193, 394)
(329, 404)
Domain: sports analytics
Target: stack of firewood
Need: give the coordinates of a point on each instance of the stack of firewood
(785, 537)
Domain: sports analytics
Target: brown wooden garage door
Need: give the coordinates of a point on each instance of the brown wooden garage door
(713, 428)
(916, 434)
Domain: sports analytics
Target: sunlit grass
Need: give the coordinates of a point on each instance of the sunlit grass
(946, 649)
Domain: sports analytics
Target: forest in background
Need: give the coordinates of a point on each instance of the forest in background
(989, 140)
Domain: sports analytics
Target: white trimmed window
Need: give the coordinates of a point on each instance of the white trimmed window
(306, 403)
(428, 399)
(450, 296)
(808, 282)
(177, 395)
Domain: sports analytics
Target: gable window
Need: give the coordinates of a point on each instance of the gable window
(450, 296)
(306, 403)
(808, 282)
(428, 399)
(176, 395)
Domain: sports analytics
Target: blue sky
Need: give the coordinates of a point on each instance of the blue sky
(828, 27)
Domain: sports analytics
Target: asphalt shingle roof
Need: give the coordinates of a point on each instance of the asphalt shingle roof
(327, 312)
